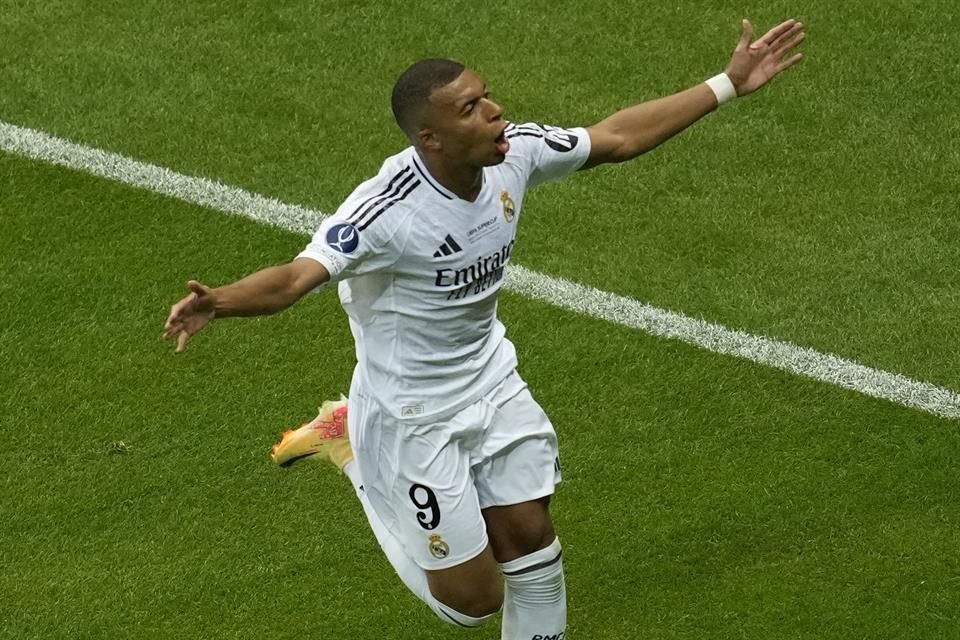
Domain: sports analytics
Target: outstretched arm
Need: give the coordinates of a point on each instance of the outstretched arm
(638, 129)
(267, 291)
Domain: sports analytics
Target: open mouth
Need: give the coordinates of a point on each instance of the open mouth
(503, 145)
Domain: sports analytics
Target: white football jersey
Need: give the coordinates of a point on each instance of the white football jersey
(419, 270)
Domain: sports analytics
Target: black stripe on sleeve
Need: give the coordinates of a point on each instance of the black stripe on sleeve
(383, 193)
(387, 205)
(526, 127)
(357, 219)
(532, 130)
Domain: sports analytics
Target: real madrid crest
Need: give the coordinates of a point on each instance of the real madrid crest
(509, 208)
(438, 548)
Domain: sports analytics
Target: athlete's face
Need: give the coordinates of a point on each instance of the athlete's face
(464, 124)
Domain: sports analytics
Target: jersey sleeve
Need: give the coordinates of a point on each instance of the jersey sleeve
(548, 153)
(348, 244)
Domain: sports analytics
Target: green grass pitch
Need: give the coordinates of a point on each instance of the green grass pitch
(703, 497)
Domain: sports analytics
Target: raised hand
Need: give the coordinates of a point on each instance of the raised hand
(190, 315)
(754, 64)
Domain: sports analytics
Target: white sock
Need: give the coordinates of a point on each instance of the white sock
(536, 599)
(410, 572)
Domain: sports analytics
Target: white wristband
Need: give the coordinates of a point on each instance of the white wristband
(722, 88)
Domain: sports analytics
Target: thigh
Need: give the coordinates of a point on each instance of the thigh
(419, 481)
(518, 460)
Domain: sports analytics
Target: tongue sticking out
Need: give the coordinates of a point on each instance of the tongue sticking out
(503, 145)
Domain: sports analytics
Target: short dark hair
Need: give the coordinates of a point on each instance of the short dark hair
(414, 86)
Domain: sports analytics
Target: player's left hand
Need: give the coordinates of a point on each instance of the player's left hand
(754, 64)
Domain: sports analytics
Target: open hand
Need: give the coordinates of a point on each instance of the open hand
(190, 315)
(754, 64)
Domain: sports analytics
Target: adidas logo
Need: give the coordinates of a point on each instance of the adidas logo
(447, 248)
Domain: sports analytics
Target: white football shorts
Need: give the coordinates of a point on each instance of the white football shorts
(429, 482)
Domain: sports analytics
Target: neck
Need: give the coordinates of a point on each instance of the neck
(463, 180)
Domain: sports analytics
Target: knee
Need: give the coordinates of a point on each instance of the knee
(525, 546)
(523, 542)
(518, 530)
(485, 606)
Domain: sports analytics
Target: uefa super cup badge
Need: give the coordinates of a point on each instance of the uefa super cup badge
(438, 548)
(509, 208)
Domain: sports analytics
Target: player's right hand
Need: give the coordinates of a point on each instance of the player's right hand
(190, 315)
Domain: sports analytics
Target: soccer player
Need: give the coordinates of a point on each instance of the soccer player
(452, 458)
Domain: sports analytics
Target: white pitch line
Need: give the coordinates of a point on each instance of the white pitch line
(207, 193)
(582, 299)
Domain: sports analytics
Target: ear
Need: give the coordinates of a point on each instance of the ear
(427, 139)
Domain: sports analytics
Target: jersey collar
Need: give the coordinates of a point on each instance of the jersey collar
(421, 168)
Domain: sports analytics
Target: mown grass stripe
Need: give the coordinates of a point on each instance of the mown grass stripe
(579, 298)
